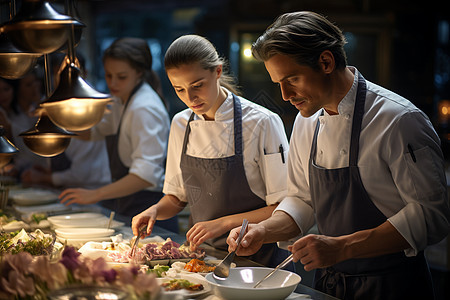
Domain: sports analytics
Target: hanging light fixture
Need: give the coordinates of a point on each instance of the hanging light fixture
(14, 63)
(7, 149)
(75, 105)
(37, 27)
(46, 139)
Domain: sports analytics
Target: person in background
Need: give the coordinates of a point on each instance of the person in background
(83, 164)
(224, 155)
(136, 134)
(8, 90)
(25, 95)
(365, 164)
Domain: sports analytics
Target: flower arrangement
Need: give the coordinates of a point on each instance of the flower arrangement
(23, 276)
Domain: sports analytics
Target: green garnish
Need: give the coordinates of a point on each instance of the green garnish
(159, 270)
(35, 243)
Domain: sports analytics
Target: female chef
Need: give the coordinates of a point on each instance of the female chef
(136, 134)
(224, 156)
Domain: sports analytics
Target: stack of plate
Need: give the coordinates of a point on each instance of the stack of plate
(32, 196)
(76, 229)
(83, 235)
(87, 219)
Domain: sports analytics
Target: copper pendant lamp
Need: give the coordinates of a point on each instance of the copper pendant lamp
(14, 63)
(7, 149)
(46, 139)
(38, 27)
(75, 105)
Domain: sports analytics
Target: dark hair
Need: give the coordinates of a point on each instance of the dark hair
(189, 49)
(136, 52)
(302, 36)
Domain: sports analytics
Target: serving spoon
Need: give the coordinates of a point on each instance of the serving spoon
(222, 271)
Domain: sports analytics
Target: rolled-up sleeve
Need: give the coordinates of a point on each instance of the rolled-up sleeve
(149, 143)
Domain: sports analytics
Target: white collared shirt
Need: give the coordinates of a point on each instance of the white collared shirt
(89, 166)
(412, 195)
(143, 134)
(262, 133)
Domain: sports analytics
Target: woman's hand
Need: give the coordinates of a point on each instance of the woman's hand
(147, 217)
(80, 196)
(202, 231)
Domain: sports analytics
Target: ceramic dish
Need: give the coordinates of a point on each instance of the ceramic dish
(33, 197)
(46, 208)
(240, 282)
(183, 293)
(83, 233)
(82, 220)
(78, 243)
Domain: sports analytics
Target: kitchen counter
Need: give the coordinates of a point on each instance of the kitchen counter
(301, 292)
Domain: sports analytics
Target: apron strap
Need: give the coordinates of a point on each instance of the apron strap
(357, 120)
(237, 119)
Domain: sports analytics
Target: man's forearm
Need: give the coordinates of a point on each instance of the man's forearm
(280, 227)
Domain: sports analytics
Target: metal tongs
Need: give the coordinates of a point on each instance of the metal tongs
(280, 266)
(135, 240)
(222, 271)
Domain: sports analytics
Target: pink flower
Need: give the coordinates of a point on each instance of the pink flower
(18, 284)
(70, 258)
(19, 262)
(145, 283)
(100, 270)
(53, 274)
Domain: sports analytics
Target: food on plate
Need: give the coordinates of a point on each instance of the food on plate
(157, 251)
(153, 251)
(198, 266)
(35, 243)
(178, 284)
(159, 270)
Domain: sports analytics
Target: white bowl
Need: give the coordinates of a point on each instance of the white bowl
(240, 282)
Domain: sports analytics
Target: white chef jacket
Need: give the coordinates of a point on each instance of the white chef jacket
(412, 195)
(89, 166)
(262, 134)
(25, 158)
(143, 134)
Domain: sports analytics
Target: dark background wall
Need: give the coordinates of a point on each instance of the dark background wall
(402, 45)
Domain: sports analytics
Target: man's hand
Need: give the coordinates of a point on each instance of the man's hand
(251, 241)
(317, 251)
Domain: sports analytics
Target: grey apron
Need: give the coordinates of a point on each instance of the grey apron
(218, 187)
(342, 206)
(60, 162)
(128, 206)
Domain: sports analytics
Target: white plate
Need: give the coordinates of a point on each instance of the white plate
(80, 242)
(46, 208)
(194, 278)
(83, 220)
(84, 233)
(33, 197)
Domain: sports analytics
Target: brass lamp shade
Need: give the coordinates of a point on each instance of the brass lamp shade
(46, 139)
(75, 105)
(7, 149)
(37, 27)
(14, 64)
